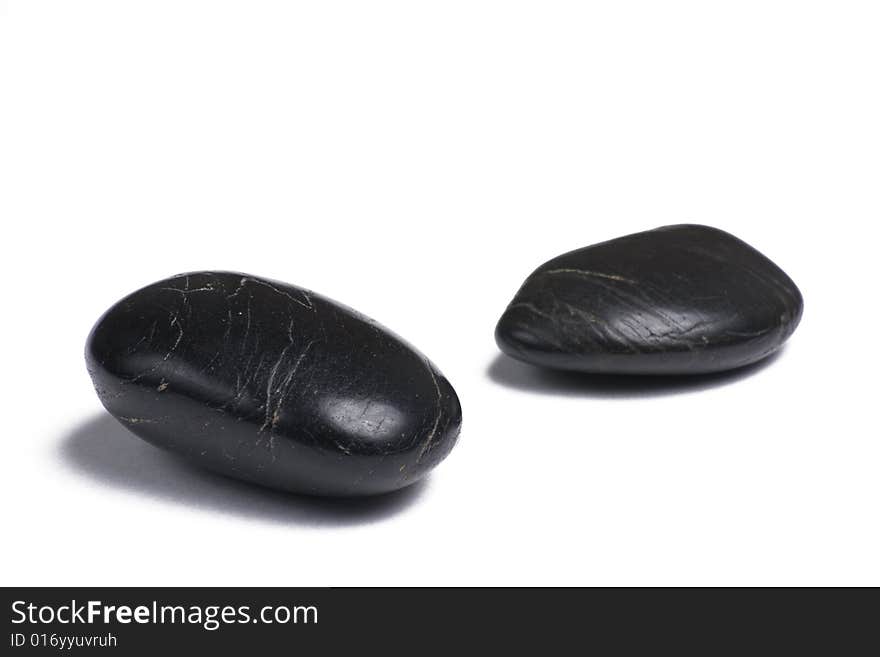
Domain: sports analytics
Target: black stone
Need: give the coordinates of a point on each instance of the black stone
(675, 300)
(273, 384)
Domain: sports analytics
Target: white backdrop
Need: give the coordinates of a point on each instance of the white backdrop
(417, 160)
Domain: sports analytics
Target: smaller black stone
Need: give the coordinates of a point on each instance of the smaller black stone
(682, 299)
(273, 384)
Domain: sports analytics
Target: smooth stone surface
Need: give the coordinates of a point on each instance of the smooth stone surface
(273, 384)
(682, 299)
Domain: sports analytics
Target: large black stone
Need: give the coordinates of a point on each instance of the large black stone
(272, 384)
(675, 300)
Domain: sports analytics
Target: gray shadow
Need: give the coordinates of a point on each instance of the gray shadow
(520, 376)
(105, 451)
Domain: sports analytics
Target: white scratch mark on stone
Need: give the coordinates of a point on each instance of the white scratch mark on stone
(589, 274)
(433, 432)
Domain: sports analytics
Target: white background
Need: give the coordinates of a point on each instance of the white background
(417, 160)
